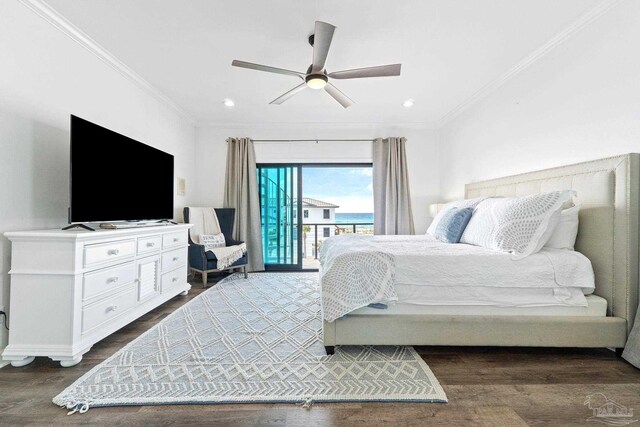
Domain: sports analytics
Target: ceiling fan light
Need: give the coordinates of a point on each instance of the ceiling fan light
(316, 81)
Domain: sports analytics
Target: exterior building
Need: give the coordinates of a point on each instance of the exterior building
(316, 212)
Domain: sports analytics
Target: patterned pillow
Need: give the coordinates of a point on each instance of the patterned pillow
(452, 225)
(211, 241)
(520, 225)
(464, 203)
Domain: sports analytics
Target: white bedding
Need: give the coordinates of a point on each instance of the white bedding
(596, 307)
(491, 296)
(422, 260)
(357, 270)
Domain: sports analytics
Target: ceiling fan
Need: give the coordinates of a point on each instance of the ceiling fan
(316, 76)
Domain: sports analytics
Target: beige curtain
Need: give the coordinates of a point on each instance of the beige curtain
(241, 193)
(391, 195)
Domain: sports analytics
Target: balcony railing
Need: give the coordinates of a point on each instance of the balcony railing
(363, 228)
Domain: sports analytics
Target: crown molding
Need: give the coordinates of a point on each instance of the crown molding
(74, 33)
(66, 27)
(314, 125)
(581, 22)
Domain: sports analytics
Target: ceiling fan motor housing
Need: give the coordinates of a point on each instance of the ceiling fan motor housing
(316, 81)
(316, 76)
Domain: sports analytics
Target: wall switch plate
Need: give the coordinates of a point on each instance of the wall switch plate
(181, 189)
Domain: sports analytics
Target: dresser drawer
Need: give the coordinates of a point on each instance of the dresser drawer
(172, 240)
(102, 311)
(105, 252)
(174, 278)
(107, 279)
(174, 259)
(149, 244)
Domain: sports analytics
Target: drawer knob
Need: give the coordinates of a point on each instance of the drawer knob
(176, 239)
(175, 279)
(175, 258)
(112, 308)
(112, 280)
(113, 252)
(150, 244)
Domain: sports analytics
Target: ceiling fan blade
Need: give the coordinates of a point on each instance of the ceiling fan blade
(258, 67)
(321, 43)
(342, 99)
(279, 100)
(358, 73)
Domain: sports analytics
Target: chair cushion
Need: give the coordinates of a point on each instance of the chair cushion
(212, 257)
(212, 264)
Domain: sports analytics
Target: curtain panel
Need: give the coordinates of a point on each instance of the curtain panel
(391, 194)
(241, 193)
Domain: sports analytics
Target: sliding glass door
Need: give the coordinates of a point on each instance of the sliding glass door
(279, 195)
(302, 205)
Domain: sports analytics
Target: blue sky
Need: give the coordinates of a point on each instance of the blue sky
(350, 188)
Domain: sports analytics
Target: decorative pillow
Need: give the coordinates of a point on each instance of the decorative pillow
(211, 241)
(519, 225)
(464, 203)
(564, 236)
(452, 224)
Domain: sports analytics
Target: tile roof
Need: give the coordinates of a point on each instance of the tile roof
(315, 203)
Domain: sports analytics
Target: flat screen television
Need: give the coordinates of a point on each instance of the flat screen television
(116, 178)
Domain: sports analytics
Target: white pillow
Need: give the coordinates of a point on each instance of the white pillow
(565, 233)
(211, 241)
(519, 225)
(461, 204)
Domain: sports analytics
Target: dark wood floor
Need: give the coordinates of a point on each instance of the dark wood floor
(485, 386)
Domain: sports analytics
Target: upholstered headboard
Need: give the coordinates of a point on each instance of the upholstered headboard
(608, 192)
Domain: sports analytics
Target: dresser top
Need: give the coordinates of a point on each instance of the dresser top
(99, 233)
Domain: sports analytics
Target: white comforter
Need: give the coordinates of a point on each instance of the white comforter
(357, 270)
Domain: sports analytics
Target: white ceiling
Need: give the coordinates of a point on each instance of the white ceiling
(449, 49)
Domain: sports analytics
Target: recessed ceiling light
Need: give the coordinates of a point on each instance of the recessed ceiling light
(408, 103)
(228, 102)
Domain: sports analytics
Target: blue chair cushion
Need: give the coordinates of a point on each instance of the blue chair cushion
(452, 225)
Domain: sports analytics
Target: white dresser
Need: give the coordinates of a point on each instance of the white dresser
(70, 289)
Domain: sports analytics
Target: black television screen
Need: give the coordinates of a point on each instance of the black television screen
(116, 178)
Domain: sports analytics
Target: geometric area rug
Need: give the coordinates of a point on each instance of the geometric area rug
(251, 340)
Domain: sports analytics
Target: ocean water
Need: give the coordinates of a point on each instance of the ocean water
(353, 218)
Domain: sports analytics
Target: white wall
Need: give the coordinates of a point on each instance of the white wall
(580, 102)
(44, 77)
(422, 152)
(316, 215)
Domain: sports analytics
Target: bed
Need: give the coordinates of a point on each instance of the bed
(601, 316)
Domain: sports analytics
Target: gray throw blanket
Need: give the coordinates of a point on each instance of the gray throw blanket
(354, 274)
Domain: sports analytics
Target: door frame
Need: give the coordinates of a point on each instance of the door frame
(300, 165)
(286, 267)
